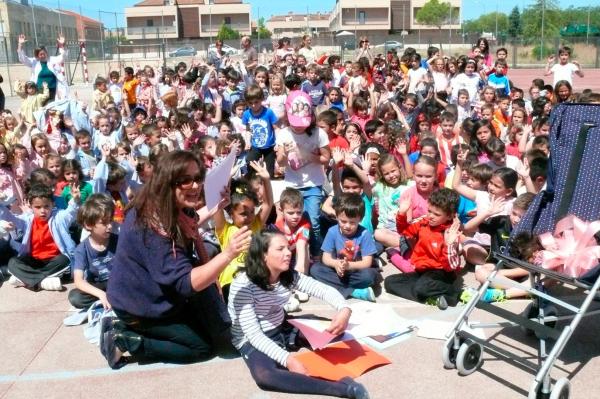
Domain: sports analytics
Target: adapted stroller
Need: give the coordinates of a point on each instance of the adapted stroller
(572, 189)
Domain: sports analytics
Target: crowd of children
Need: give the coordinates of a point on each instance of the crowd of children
(425, 162)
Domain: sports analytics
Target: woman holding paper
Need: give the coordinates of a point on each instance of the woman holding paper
(256, 300)
(162, 285)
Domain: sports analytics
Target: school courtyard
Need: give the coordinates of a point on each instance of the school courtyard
(43, 358)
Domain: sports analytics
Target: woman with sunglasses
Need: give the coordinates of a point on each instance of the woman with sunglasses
(364, 50)
(162, 287)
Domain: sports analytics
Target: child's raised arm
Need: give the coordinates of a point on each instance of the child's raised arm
(496, 207)
(267, 205)
(457, 185)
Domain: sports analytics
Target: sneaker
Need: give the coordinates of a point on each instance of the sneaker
(355, 390)
(441, 303)
(365, 294)
(51, 284)
(293, 305)
(467, 295)
(15, 282)
(379, 263)
(301, 296)
(490, 295)
(108, 345)
(494, 295)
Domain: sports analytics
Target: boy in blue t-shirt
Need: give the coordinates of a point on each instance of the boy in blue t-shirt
(93, 256)
(232, 93)
(499, 80)
(348, 250)
(260, 122)
(313, 86)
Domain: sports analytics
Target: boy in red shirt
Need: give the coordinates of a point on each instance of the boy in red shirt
(435, 254)
(47, 246)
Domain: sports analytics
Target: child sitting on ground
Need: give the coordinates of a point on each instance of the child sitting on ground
(296, 229)
(435, 254)
(92, 262)
(47, 247)
(348, 250)
(500, 228)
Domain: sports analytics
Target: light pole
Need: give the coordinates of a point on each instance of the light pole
(496, 36)
(543, 17)
(587, 33)
(6, 53)
(34, 28)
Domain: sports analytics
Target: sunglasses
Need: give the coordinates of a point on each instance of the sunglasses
(186, 182)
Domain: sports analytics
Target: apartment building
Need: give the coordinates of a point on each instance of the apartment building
(88, 29)
(177, 19)
(382, 16)
(295, 25)
(41, 25)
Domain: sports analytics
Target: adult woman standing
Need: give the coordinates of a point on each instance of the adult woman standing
(162, 285)
(306, 50)
(484, 46)
(364, 50)
(217, 56)
(256, 302)
(45, 68)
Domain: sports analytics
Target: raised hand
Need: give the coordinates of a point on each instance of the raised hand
(348, 159)
(354, 143)
(60, 40)
(338, 155)
(451, 234)
(75, 192)
(497, 206)
(21, 39)
(105, 151)
(462, 157)
(186, 130)
(365, 163)
(260, 169)
(401, 147)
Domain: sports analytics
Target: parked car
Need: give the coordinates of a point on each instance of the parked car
(186, 51)
(226, 48)
(390, 45)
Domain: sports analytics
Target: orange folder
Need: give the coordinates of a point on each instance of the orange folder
(341, 359)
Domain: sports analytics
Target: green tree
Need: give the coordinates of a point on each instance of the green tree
(435, 14)
(261, 29)
(487, 23)
(515, 28)
(226, 33)
(546, 10)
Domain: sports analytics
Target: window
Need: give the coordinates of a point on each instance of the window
(149, 22)
(361, 17)
(227, 20)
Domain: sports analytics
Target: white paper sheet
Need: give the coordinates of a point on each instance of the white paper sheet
(437, 329)
(217, 180)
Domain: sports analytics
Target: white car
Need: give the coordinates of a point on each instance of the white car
(391, 45)
(227, 49)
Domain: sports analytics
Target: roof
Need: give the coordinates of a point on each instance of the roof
(82, 17)
(299, 17)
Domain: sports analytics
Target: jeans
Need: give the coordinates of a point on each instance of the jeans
(313, 198)
(362, 278)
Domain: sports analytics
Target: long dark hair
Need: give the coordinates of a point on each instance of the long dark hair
(476, 147)
(255, 266)
(156, 205)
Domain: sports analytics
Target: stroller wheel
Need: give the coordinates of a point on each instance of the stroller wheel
(469, 357)
(561, 390)
(449, 354)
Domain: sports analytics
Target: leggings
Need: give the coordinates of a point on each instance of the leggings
(270, 376)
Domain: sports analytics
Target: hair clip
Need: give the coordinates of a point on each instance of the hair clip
(240, 190)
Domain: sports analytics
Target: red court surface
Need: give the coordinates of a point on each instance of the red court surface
(522, 78)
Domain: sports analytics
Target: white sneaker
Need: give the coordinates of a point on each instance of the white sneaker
(14, 281)
(293, 305)
(51, 284)
(301, 296)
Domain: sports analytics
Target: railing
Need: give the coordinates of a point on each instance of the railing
(367, 21)
(151, 30)
(216, 25)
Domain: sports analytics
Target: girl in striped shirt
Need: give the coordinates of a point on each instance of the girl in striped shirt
(256, 300)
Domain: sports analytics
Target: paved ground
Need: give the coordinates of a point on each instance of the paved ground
(40, 356)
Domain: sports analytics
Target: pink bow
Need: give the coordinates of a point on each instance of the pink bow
(572, 249)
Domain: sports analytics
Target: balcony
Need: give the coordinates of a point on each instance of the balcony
(242, 28)
(151, 30)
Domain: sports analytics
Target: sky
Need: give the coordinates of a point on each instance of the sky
(266, 8)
